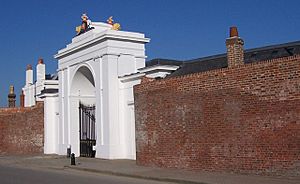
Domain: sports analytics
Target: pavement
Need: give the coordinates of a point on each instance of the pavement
(128, 168)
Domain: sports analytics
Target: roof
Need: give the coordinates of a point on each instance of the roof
(160, 61)
(49, 90)
(220, 61)
(51, 76)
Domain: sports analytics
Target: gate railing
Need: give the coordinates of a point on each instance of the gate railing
(87, 130)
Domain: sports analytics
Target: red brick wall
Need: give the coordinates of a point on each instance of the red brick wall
(244, 119)
(22, 130)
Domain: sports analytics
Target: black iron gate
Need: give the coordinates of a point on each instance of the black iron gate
(87, 130)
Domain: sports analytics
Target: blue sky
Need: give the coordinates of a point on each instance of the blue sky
(179, 29)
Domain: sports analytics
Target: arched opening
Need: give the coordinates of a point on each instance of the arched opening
(83, 84)
(82, 112)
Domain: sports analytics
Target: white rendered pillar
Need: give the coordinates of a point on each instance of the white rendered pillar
(111, 148)
(50, 123)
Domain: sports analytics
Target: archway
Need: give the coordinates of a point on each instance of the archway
(83, 84)
(82, 112)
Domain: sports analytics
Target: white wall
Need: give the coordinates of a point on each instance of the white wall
(127, 119)
(40, 72)
(126, 65)
(51, 124)
(32, 92)
(29, 92)
(29, 77)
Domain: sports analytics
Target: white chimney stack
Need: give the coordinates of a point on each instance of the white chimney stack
(29, 75)
(40, 71)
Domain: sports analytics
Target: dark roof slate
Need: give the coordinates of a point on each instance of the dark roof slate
(160, 61)
(51, 76)
(49, 91)
(220, 61)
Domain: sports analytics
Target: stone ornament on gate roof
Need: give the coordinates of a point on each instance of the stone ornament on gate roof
(115, 26)
(86, 24)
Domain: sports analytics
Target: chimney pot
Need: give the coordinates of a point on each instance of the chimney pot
(233, 31)
(22, 99)
(40, 70)
(29, 67)
(41, 61)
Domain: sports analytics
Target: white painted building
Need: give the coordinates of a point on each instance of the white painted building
(98, 68)
(32, 90)
(45, 88)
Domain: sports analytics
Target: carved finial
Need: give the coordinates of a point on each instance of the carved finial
(115, 26)
(110, 20)
(11, 97)
(11, 89)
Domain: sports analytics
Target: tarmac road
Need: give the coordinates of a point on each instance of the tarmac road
(17, 175)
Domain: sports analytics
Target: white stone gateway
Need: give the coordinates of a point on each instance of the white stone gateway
(90, 71)
(96, 71)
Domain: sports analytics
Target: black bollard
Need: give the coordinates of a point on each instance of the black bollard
(69, 152)
(73, 159)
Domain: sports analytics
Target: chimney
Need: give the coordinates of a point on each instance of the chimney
(22, 99)
(29, 75)
(40, 70)
(11, 97)
(235, 49)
